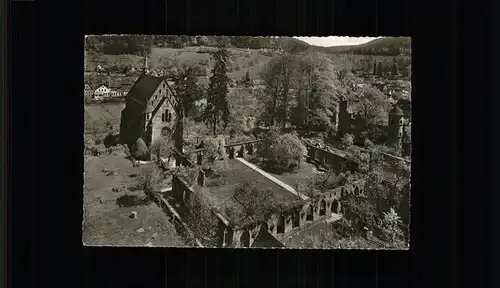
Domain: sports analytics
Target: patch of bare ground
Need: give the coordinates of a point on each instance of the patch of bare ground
(117, 212)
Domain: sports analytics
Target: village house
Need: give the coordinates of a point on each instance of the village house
(88, 91)
(102, 92)
(149, 112)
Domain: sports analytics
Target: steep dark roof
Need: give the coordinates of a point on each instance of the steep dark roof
(266, 240)
(143, 88)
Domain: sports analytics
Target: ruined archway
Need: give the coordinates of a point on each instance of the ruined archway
(281, 224)
(245, 239)
(356, 191)
(310, 213)
(295, 219)
(335, 206)
(322, 208)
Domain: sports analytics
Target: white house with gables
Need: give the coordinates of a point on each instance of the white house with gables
(102, 92)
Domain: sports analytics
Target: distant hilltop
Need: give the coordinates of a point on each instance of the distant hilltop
(138, 44)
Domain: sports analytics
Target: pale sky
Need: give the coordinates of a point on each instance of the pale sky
(335, 40)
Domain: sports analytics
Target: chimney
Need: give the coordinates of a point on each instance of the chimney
(201, 178)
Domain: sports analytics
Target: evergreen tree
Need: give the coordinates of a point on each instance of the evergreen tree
(217, 109)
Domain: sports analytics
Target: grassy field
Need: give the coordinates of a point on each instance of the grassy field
(106, 213)
(96, 116)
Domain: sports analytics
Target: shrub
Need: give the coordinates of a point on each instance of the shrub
(368, 144)
(346, 141)
(148, 177)
(286, 150)
(110, 141)
(141, 150)
(162, 148)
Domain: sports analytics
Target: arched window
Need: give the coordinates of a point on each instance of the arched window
(310, 215)
(281, 224)
(335, 206)
(322, 208)
(245, 239)
(163, 117)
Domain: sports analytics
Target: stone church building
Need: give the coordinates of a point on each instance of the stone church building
(149, 112)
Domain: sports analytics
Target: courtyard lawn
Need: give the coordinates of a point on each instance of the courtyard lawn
(107, 213)
(306, 170)
(222, 194)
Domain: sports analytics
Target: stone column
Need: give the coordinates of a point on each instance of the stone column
(201, 178)
(231, 152)
(250, 149)
(241, 151)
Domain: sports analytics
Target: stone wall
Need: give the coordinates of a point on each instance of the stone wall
(336, 160)
(309, 212)
(279, 224)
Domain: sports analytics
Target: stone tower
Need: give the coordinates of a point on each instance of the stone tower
(395, 129)
(344, 123)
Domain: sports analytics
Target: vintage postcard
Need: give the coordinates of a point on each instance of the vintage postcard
(247, 142)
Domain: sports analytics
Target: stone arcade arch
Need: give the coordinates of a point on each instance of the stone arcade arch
(335, 206)
(295, 218)
(310, 213)
(245, 239)
(281, 224)
(322, 207)
(356, 191)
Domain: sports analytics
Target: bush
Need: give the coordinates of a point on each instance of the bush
(162, 148)
(148, 177)
(140, 150)
(287, 150)
(368, 144)
(346, 141)
(110, 141)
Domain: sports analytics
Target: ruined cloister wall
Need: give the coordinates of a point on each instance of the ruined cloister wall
(279, 224)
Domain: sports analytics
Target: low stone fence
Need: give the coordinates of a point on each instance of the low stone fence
(179, 225)
(338, 160)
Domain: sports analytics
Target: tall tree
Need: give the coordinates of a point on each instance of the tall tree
(217, 110)
(372, 104)
(316, 76)
(188, 90)
(278, 79)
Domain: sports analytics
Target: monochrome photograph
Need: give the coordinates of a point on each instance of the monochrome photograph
(247, 142)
